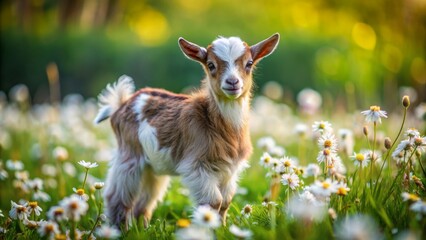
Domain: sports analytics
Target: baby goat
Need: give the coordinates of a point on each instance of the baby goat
(203, 137)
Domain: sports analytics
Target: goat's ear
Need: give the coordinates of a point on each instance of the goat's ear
(193, 51)
(265, 47)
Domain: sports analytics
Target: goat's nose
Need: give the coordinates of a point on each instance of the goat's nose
(232, 81)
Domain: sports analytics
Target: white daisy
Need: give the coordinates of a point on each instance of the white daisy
(403, 148)
(306, 208)
(48, 228)
(98, 185)
(107, 232)
(36, 185)
(357, 227)
(266, 143)
(342, 189)
(419, 207)
(323, 188)
(240, 233)
(19, 211)
(34, 207)
(88, 165)
(412, 133)
(193, 232)
(313, 170)
(56, 213)
(360, 159)
(409, 197)
(374, 114)
(81, 194)
(265, 160)
(292, 180)
(326, 156)
(60, 153)
(327, 141)
(322, 127)
(247, 210)
(74, 207)
(14, 165)
(205, 216)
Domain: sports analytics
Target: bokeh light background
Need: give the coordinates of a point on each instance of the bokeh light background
(354, 53)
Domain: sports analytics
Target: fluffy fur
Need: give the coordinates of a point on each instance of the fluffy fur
(203, 137)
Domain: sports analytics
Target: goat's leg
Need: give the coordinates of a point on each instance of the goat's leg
(203, 188)
(153, 188)
(228, 191)
(121, 188)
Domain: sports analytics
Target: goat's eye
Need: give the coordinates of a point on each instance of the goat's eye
(211, 66)
(249, 64)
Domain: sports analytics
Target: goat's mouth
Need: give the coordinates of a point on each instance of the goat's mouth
(232, 92)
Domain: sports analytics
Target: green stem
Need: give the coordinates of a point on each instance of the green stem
(390, 149)
(85, 178)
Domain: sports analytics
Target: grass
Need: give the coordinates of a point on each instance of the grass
(351, 203)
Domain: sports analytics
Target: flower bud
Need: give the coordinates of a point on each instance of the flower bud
(365, 130)
(406, 101)
(388, 143)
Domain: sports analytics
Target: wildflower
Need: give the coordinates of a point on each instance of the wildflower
(306, 208)
(266, 143)
(48, 228)
(48, 170)
(419, 206)
(342, 189)
(309, 101)
(269, 204)
(346, 143)
(332, 213)
(69, 169)
(277, 151)
(325, 156)
(409, 197)
(247, 210)
(265, 160)
(74, 207)
(240, 233)
(98, 185)
(3, 173)
(292, 180)
(87, 165)
(56, 213)
(19, 211)
(14, 165)
(22, 175)
(388, 143)
(37, 186)
(374, 114)
(312, 170)
(404, 147)
(324, 188)
(360, 159)
(1, 213)
(205, 216)
(406, 101)
(420, 143)
(193, 232)
(34, 207)
(60, 153)
(327, 141)
(286, 164)
(322, 127)
(301, 129)
(357, 227)
(107, 232)
(31, 224)
(81, 194)
(412, 133)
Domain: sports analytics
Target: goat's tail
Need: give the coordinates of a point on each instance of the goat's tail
(113, 96)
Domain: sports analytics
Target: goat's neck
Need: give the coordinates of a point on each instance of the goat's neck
(233, 112)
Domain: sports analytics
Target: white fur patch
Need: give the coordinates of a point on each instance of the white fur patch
(228, 49)
(159, 159)
(139, 105)
(235, 112)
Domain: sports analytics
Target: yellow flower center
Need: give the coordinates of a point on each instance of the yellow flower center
(326, 152)
(60, 237)
(321, 126)
(74, 205)
(287, 164)
(33, 204)
(342, 191)
(375, 108)
(360, 157)
(58, 211)
(207, 217)
(413, 197)
(247, 209)
(21, 209)
(327, 143)
(325, 185)
(183, 223)
(267, 160)
(48, 228)
(80, 192)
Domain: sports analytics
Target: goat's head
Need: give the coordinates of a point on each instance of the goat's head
(228, 63)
